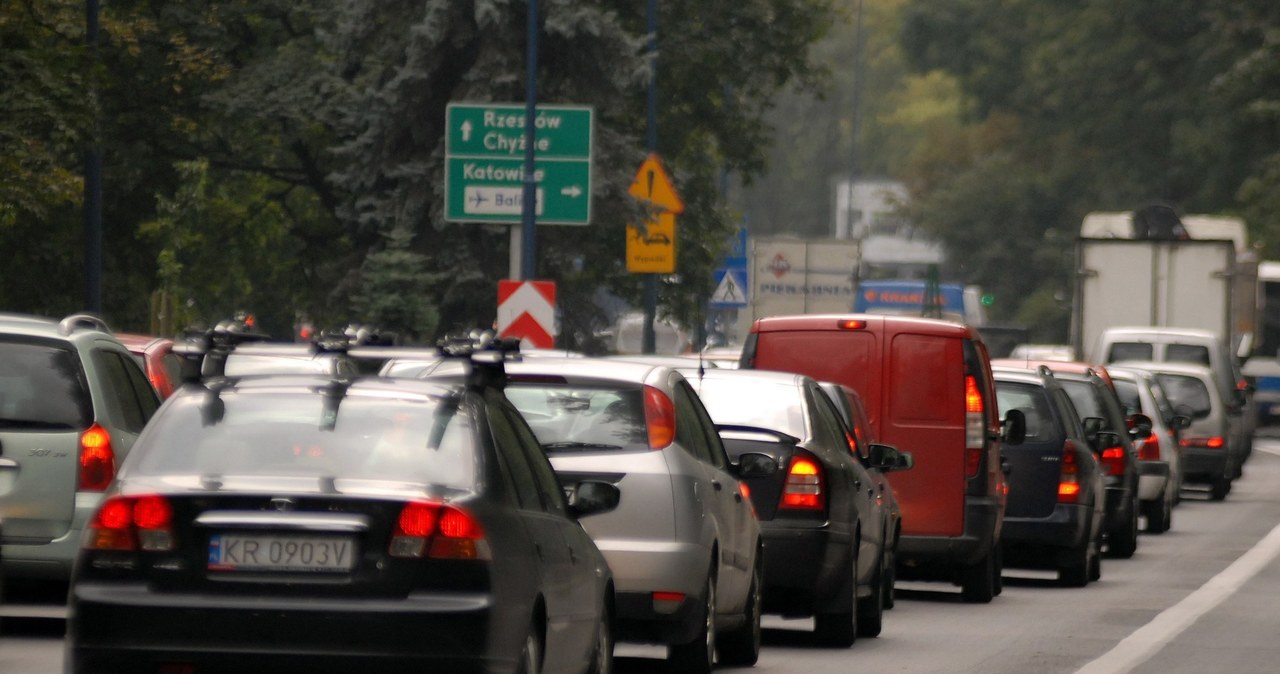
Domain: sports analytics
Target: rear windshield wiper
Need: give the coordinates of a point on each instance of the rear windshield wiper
(561, 446)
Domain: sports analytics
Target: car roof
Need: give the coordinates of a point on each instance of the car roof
(772, 376)
(316, 383)
(70, 328)
(833, 322)
(138, 342)
(589, 368)
(1150, 332)
(1172, 367)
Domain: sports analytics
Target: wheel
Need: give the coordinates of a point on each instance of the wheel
(698, 656)
(890, 578)
(1124, 542)
(1219, 487)
(840, 629)
(741, 645)
(997, 580)
(977, 581)
(1158, 514)
(871, 608)
(1075, 571)
(531, 656)
(602, 657)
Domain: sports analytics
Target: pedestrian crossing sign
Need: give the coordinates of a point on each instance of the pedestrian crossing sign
(731, 289)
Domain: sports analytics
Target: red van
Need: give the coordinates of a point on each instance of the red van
(928, 389)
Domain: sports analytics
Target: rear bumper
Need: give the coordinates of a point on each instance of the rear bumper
(804, 565)
(1201, 464)
(1035, 541)
(940, 557)
(642, 567)
(126, 628)
(1152, 478)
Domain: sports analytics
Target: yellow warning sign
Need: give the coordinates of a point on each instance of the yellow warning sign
(652, 249)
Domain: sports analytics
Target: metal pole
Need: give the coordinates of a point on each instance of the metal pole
(93, 186)
(528, 239)
(651, 280)
(854, 232)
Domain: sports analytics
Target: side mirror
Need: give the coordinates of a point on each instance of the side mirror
(1180, 422)
(1108, 440)
(887, 458)
(591, 497)
(1139, 426)
(755, 464)
(1014, 428)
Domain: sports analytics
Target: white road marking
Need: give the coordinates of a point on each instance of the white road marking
(1150, 638)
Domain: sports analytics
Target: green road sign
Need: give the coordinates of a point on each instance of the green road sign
(484, 153)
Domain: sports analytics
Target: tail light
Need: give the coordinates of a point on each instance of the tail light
(1069, 475)
(974, 426)
(660, 417)
(438, 531)
(1214, 442)
(97, 459)
(132, 523)
(1113, 459)
(803, 488)
(851, 324)
(1150, 449)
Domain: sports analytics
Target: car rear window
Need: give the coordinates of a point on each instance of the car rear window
(1186, 392)
(775, 406)
(1128, 392)
(1187, 353)
(429, 440)
(1032, 402)
(1129, 351)
(568, 418)
(42, 387)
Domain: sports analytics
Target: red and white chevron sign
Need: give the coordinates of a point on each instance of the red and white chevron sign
(527, 309)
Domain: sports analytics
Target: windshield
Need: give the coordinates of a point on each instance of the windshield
(428, 440)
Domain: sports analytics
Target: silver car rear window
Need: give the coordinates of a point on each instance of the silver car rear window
(1188, 392)
(42, 387)
(428, 441)
(568, 418)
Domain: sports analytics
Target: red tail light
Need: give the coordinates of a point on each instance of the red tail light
(1069, 475)
(438, 531)
(660, 416)
(97, 459)
(1215, 442)
(803, 488)
(132, 523)
(1113, 459)
(974, 426)
(1150, 449)
(851, 324)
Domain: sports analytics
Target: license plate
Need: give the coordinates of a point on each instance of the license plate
(240, 552)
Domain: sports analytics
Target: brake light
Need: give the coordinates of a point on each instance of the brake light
(97, 459)
(1214, 442)
(660, 417)
(437, 531)
(974, 426)
(132, 523)
(1150, 449)
(851, 324)
(1113, 459)
(803, 488)
(1069, 475)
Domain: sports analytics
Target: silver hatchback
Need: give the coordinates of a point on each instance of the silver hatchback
(684, 544)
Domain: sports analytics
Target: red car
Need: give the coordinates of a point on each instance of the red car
(156, 356)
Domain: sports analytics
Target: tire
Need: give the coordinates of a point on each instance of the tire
(997, 580)
(1219, 487)
(602, 655)
(741, 645)
(890, 578)
(1124, 542)
(531, 656)
(871, 608)
(977, 581)
(1158, 513)
(1076, 570)
(840, 629)
(698, 655)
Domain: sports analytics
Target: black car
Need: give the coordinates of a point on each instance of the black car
(315, 524)
(1056, 509)
(824, 525)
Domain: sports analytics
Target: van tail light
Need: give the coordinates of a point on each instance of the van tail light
(1113, 459)
(132, 523)
(1069, 475)
(1150, 448)
(660, 417)
(1214, 442)
(803, 488)
(97, 459)
(851, 324)
(438, 531)
(974, 426)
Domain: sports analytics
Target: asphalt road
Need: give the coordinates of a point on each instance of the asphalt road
(1200, 598)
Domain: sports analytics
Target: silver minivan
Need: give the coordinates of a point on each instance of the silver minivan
(1208, 455)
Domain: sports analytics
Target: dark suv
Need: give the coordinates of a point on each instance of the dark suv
(1056, 509)
(72, 402)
